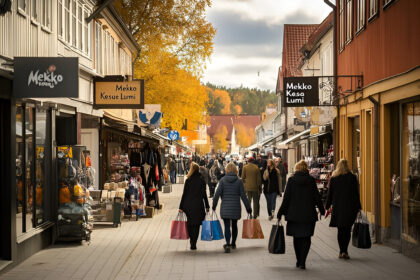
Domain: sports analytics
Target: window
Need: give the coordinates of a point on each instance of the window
(45, 7)
(373, 8)
(60, 18)
(67, 20)
(33, 9)
(342, 28)
(361, 14)
(74, 23)
(80, 28)
(22, 5)
(98, 47)
(87, 33)
(349, 21)
(386, 2)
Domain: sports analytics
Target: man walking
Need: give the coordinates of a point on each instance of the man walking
(172, 170)
(251, 177)
(281, 167)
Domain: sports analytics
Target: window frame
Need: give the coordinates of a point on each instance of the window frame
(98, 47)
(46, 14)
(342, 26)
(349, 21)
(360, 16)
(371, 16)
(386, 3)
(22, 11)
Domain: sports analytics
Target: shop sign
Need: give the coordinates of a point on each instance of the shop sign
(300, 91)
(119, 94)
(173, 135)
(46, 77)
(151, 115)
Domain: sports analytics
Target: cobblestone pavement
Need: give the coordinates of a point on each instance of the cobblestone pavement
(143, 250)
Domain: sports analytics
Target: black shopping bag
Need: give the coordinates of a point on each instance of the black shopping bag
(361, 234)
(276, 243)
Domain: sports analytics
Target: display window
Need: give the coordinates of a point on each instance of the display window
(411, 176)
(31, 150)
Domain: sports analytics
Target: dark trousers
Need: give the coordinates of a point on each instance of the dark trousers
(271, 202)
(228, 224)
(173, 176)
(212, 187)
(193, 231)
(343, 236)
(302, 246)
(254, 198)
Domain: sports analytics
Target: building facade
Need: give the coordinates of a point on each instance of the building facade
(379, 122)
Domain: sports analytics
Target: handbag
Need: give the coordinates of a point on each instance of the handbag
(206, 228)
(251, 229)
(216, 227)
(276, 243)
(361, 234)
(179, 228)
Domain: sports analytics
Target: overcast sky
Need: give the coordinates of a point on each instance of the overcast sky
(249, 38)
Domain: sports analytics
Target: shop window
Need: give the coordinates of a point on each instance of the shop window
(41, 195)
(411, 177)
(20, 176)
(355, 147)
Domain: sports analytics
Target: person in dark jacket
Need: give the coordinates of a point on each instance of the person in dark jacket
(231, 190)
(272, 188)
(172, 170)
(192, 203)
(300, 199)
(344, 201)
(280, 165)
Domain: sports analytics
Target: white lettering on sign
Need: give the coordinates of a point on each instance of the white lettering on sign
(46, 79)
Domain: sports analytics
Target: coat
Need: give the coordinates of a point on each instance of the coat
(344, 197)
(282, 169)
(300, 199)
(194, 199)
(205, 174)
(274, 181)
(231, 190)
(251, 176)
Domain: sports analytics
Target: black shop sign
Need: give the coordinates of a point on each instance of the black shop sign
(46, 77)
(300, 92)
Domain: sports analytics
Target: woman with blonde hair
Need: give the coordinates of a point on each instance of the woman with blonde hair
(272, 188)
(192, 203)
(344, 199)
(300, 199)
(231, 190)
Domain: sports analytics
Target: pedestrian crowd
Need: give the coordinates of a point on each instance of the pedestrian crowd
(234, 181)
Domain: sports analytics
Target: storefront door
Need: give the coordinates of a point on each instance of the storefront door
(411, 179)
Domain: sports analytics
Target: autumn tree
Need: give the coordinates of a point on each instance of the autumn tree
(214, 105)
(176, 40)
(244, 136)
(224, 99)
(219, 139)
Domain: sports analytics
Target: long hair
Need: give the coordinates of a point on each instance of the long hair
(231, 168)
(272, 166)
(342, 168)
(194, 168)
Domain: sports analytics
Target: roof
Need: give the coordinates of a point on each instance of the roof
(267, 123)
(249, 121)
(295, 36)
(318, 33)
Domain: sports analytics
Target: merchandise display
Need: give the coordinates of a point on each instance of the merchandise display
(321, 169)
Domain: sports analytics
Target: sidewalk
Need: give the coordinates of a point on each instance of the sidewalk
(143, 250)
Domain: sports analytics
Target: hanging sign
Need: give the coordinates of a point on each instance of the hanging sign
(151, 115)
(300, 92)
(173, 135)
(119, 94)
(46, 77)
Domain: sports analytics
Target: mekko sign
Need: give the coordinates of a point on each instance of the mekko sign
(300, 92)
(119, 94)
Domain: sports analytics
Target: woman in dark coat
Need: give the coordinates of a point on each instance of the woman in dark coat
(300, 199)
(231, 190)
(272, 188)
(193, 201)
(344, 199)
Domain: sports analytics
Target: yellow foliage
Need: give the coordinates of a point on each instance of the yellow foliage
(244, 136)
(238, 109)
(219, 139)
(203, 149)
(225, 100)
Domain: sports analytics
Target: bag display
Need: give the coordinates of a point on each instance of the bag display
(252, 229)
(277, 244)
(361, 234)
(179, 228)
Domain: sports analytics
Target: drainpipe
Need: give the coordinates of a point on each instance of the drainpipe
(336, 137)
(376, 189)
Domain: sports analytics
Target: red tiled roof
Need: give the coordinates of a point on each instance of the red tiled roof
(295, 35)
(249, 121)
(320, 31)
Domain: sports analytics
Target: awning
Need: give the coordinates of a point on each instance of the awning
(283, 145)
(252, 147)
(268, 140)
(320, 134)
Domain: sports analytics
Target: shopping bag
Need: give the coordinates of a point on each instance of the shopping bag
(276, 244)
(206, 228)
(252, 229)
(216, 228)
(361, 234)
(179, 227)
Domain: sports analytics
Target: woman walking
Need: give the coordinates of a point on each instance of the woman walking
(192, 203)
(300, 199)
(272, 188)
(344, 199)
(231, 190)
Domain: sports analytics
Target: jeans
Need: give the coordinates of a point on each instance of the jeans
(343, 236)
(228, 223)
(173, 176)
(254, 198)
(301, 246)
(271, 202)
